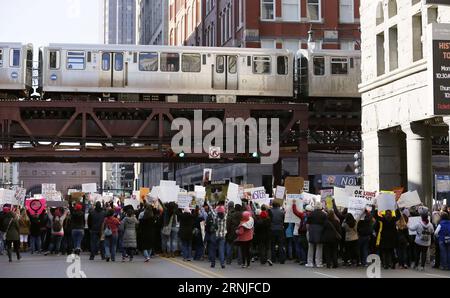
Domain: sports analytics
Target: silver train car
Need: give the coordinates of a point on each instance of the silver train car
(129, 72)
(327, 73)
(16, 70)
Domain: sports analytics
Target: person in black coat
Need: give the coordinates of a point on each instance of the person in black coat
(147, 226)
(262, 236)
(185, 233)
(388, 236)
(330, 238)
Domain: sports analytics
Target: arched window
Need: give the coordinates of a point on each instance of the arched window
(380, 13)
(392, 8)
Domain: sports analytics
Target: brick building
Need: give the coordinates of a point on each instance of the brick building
(334, 24)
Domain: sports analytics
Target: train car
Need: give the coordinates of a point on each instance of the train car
(130, 72)
(16, 70)
(328, 73)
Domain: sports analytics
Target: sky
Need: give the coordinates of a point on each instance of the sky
(51, 21)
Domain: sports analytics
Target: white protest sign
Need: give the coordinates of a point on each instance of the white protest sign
(241, 192)
(184, 200)
(356, 206)
(413, 221)
(20, 194)
(409, 199)
(324, 193)
(38, 197)
(340, 197)
(53, 196)
(289, 216)
(95, 197)
(108, 198)
(258, 193)
(132, 202)
(8, 197)
(137, 194)
(46, 188)
(306, 185)
(169, 193)
(89, 187)
(154, 193)
(167, 183)
(260, 202)
(279, 192)
(385, 201)
(233, 193)
(308, 198)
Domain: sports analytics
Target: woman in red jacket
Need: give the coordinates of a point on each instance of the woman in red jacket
(245, 236)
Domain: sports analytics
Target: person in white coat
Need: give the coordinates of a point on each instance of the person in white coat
(424, 231)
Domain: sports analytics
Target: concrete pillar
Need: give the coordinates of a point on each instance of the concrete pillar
(371, 158)
(419, 160)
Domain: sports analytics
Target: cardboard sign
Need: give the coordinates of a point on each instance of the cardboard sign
(8, 197)
(184, 200)
(356, 206)
(409, 199)
(233, 193)
(386, 201)
(340, 197)
(294, 185)
(168, 193)
(154, 193)
(76, 196)
(35, 207)
(132, 202)
(89, 187)
(46, 188)
(71, 191)
(279, 192)
(289, 216)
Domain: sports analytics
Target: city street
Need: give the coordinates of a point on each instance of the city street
(39, 266)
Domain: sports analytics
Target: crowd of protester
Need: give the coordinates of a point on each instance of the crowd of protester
(227, 233)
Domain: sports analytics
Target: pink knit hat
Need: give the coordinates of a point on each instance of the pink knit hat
(220, 209)
(246, 216)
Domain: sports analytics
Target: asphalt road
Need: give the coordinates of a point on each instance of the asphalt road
(38, 266)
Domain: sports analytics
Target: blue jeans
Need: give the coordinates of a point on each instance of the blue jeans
(214, 245)
(35, 243)
(169, 242)
(199, 247)
(55, 243)
(445, 255)
(363, 244)
(299, 250)
(110, 246)
(77, 236)
(147, 253)
(230, 247)
(186, 249)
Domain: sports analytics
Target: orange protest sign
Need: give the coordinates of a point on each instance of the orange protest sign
(144, 191)
(398, 191)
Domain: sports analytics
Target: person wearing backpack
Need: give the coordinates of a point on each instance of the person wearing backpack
(57, 230)
(210, 235)
(110, 230)
(443, 235)
(11, 230)
(424, 230)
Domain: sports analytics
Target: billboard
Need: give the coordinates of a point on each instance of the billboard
(440, 68)
(339, 180)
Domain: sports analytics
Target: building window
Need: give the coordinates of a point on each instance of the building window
(380, 54)
(75, 60)
(291, 10)
(267, 9)
(54, 59)
(267, 44)
(417, 37)
(262, 65)
(14, 58)
(1, 57)
(348, 45)
(170, 62)
(314, 10)
(282, 65)
(191, 63)
(392, 8)
(346, 11)
(380, 13)
(319, 66)
(393, 48)
(93, 173)
(148, 61)
(241, 12)
(339, 66)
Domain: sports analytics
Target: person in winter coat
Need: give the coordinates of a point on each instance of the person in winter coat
(169, 232)
(95, 221)
(57, 229)
(424, 231)
(11, 229)
(129, 225)
(277, 233)
(233, 221)
(197, 237)
(351, 240)
(402, 242)
(147, 223)
(245, 237)
(77, 223)
(300, 233)
(443, 236)
(365, 231)
(218, 245)
(387, 236)
(262, 236)
(110, 230)
(315, 224)
(2, 243)
(186, 233)
(35, 233)
(330, 238)
(24, 229)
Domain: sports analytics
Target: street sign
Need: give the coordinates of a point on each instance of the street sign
(214, 152)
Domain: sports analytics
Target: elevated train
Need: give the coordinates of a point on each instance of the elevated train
(135, 73)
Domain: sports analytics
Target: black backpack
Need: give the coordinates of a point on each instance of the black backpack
(57, 226)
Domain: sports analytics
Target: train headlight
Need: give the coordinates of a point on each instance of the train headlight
(53, 77)
(14, 75)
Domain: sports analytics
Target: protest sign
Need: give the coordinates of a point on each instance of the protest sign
(413, 221)
(76, 196)
(294, 185)
(279, 192)
(8, 197)
(154, 193)
(184, 200)
(259, 202)
(89, 187)
(167, 183)
(306, 186)
(95, 197)
(385, 201)
(409, 199)
(47, 187)
(168, 193)
(19, 194)
(324, 193)
(257, 193)
(144, 191)
(289, 216)
(35, 206)
(57, 204)
(310, 198)
(340, 197)
(398, 192)
(233, 193)
(356, 206)
(132, 202)
(329, 203)
(207, 176)
(54, 196)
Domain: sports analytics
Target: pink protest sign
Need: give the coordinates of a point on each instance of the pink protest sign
(35, 206)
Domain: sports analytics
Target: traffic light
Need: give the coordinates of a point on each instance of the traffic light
(358, 163)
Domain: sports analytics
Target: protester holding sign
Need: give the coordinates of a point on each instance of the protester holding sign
(387, 236)
(185, 233)
(315, 223)
(110, 230)
(57, 229)
(349, 225)
(233, 221)
(36, 225)
(402, 242)
(77, 225)
(262, 235)
(245, 237)
(95, 221)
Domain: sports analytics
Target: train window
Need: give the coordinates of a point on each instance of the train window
(191, 63)
(134, 57)
(339, 66)
(232, 64)
(220, 64)
(282, 65)
(148, 61)
(249, 61)
(170, 62)
(89, 57)
(76, 60)
(54, 59)
(262, 65)
(118, 61)
(106, 61)
(1, 57)
(14, 58)
(352, 63)
(204, 59)
(319, 66)
(29, 59)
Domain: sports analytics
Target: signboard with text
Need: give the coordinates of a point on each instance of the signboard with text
(440, 68)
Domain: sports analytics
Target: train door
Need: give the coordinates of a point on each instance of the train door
(225, 74)
(112, 70)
